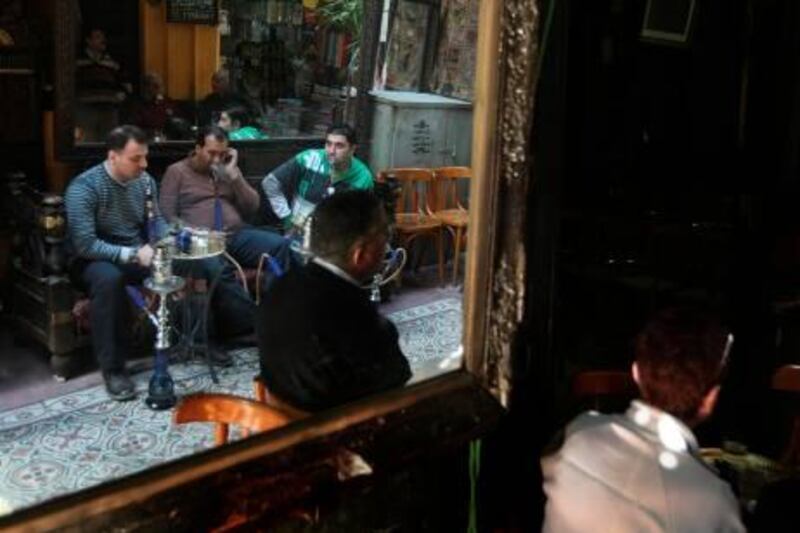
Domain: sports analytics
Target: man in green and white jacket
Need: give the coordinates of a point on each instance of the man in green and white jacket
(298, 185)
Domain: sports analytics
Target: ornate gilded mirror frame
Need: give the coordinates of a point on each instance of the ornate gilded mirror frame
(234, 485)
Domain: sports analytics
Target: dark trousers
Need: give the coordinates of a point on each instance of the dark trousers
(110, 315)
(248, 244)
(231, 306)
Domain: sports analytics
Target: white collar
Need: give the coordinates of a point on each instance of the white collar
(671, 432)
(330, 267)
(107, 168)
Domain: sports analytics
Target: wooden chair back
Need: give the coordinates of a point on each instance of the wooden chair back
(447, 187)
(416, 188)
(603, 384)
(786, 379)
(226, 409)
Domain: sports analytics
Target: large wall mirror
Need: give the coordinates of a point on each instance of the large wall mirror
(457, 337)
(265, 69)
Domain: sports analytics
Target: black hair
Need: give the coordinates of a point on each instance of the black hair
(341, 219)
(681, 355)
(345, 130)
(119, 137)
(239, 114)
(210, 131)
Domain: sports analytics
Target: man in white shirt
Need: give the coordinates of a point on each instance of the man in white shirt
(641, 471)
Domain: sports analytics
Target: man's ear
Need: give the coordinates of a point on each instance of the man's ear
(635, 373)
(357, 252)
(708, 403)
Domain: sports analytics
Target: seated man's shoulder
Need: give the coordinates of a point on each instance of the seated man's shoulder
(590, 434)
(362, 175)
(179, 166)
(591, 422)
(87, 178)
(311, 157)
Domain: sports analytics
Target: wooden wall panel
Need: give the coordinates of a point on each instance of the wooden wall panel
(153, 45)
(206, 58)
(185, 55)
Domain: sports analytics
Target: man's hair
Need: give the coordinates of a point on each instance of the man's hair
(239, 114)
(681, 355)
(119, 137)
(345, 130)
(210, 131)
(340, 220)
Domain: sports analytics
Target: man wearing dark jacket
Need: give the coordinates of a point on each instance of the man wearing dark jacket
(322, 342)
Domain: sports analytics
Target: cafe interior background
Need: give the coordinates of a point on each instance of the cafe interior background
(666, 172)
(294, 66)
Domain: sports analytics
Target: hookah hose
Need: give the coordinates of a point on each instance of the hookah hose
(391, 263)
(274, 267)
(139, 302)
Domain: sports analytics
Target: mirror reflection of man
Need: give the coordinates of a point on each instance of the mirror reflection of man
(207, 190)
(239, 125)
(99, 76)
(322, 342)
(108, 233)
(154, 108)
(298, 185)
(221, 97)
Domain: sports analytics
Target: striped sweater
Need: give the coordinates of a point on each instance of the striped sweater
(106, 218)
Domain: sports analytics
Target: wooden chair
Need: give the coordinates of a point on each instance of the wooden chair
(449, 209)
(413, 216)
(787, 380)
(226, 409)
(600, 384)
(264, 395)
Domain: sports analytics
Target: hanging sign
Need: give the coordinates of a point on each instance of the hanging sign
(192, 11)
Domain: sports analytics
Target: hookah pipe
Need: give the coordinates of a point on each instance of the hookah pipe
(383, 277)
(161, 389)
(138, 300)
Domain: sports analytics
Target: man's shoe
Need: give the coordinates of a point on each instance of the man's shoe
(220, 357)
(119, 386)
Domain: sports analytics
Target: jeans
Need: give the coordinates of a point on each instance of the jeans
(110, 317)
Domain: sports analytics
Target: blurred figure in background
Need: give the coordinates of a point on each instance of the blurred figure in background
(239, 125)
(222, 97)
(641, 471)
(154, 109)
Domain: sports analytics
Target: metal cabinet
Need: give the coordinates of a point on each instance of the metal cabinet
(419, 130)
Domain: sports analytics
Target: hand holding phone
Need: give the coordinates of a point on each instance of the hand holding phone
(230, 160)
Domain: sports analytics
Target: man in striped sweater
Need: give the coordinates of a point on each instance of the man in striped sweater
(107, 214)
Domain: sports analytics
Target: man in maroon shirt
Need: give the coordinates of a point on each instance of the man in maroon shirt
(207, 190)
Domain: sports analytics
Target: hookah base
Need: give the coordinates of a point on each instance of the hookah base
(160, 403)
(161, 392)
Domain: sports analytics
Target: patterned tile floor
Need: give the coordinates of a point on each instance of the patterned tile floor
(82, 438)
